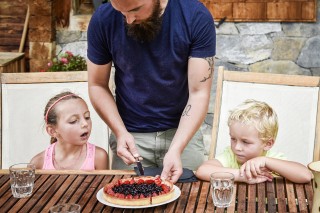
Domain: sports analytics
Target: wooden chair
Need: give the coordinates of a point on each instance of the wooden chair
(294, 98)
(23, 98)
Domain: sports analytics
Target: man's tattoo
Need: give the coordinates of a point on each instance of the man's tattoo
(210, 60)
(186, 110)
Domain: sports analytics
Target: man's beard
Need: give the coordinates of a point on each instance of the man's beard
(148, 29)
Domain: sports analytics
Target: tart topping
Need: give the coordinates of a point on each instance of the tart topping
(137, 188)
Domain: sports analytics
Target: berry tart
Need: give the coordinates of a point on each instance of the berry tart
(138, 191)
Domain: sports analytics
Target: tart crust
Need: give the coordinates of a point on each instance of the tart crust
(138, 201)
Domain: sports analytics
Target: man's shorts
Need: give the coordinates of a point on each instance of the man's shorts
(153, 147)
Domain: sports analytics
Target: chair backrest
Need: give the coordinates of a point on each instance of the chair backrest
(295, 99)
(23, 98)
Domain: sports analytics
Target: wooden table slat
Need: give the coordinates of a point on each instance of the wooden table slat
(281, 197)
(291, 197)
(4, 179)
(272, 206)
(72, 188)
(252, 189)
(210, 206)
(242, 194)
(76, 197)
(5, 189)
(183, 199)
(309, 192)
(301, 198)
(157, 209)
(261, 197)
(171, 207)
(192, 200)
(59, 193)
(202, 201)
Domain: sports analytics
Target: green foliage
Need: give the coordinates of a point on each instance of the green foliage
(66, 62)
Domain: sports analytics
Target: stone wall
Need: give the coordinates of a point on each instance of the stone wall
(288, 48)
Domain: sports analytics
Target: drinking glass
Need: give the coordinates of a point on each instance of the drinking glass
(65, 208)
(22, 179)
(222, 184)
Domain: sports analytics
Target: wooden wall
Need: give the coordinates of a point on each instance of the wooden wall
(263, 10)
(40, 39)
(12, 18)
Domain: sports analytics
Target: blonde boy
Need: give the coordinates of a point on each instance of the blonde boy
(253, 128)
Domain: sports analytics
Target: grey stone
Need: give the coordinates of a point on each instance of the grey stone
(84, 36)
(243, 49)
(315, 71)
(287, 48)
(64, 36)
(310, 53)
(206, 129)
(209, 119)
(301, 29)
(258, 28)
(77, 48)
(230, 66)
(213, 91)
(227, 28)
(280, 67)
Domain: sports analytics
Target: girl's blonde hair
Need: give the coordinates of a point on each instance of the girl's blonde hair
(260, 115)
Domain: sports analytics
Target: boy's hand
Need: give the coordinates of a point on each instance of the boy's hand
(258, 179)
(254, 168)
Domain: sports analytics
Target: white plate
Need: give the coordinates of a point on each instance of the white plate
(100, 198)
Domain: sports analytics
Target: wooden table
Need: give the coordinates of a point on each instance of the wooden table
(12, 62)
(71, 186)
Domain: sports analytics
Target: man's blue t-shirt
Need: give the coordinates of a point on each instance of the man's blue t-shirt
(151, 77)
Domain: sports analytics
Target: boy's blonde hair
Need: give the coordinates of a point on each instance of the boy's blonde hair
(260, 115)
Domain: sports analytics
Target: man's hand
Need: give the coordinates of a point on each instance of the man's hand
(172, 167)
(126, 148)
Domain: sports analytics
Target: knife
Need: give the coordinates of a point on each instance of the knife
(140, 168)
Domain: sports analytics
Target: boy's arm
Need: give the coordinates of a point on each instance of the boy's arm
(293, 171)
(290, 170)
(214, 165)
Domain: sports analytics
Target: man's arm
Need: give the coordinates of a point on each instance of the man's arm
(200, 74)
(103, 102)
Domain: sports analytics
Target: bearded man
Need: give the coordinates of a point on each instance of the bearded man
(163, 54)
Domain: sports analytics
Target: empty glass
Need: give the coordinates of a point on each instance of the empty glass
(222, 184)
(22, 179)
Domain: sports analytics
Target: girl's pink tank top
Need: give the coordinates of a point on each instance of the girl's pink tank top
(88, 163)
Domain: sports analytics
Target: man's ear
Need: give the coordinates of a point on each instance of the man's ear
(268, 145)
(51, 130)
